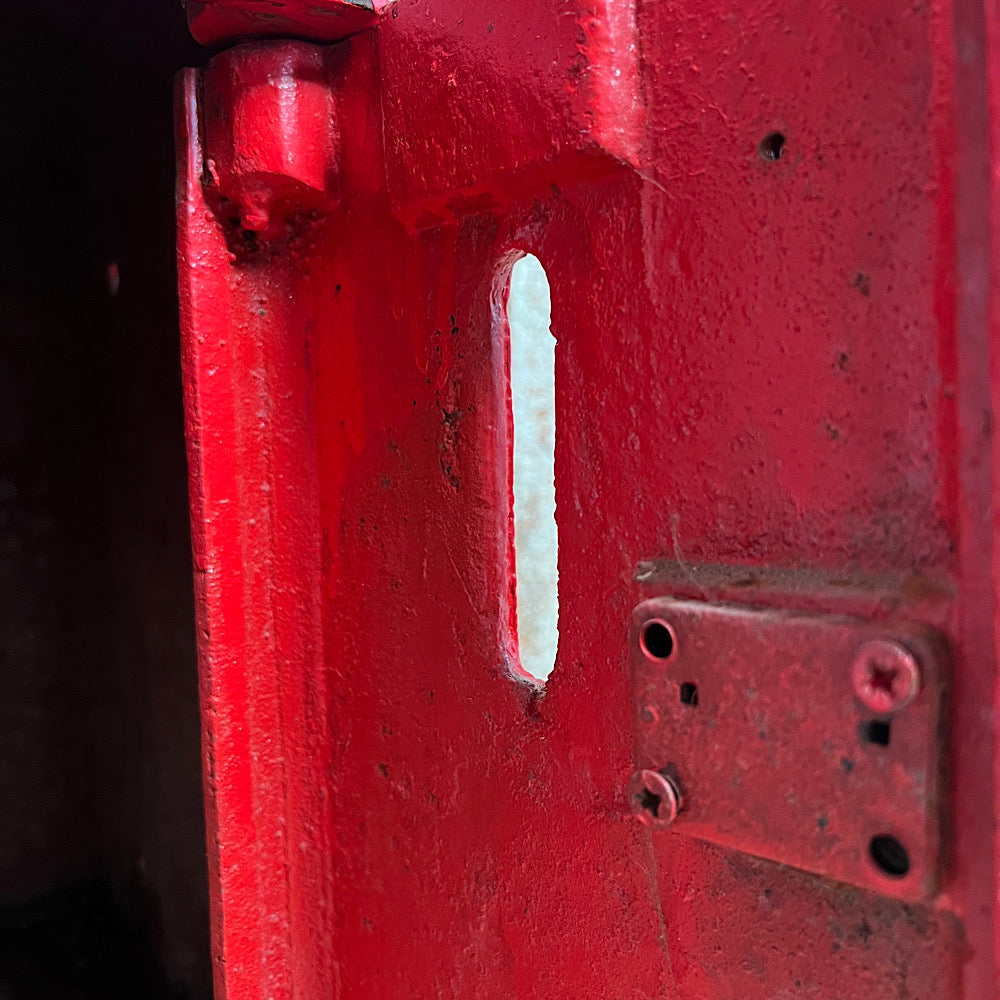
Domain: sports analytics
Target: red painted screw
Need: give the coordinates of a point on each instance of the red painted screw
(655, 799)
(886, 676)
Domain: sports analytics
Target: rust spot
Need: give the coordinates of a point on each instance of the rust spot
(918, 587)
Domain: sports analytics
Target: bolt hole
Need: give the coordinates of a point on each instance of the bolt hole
(650, 802)
(689, 695)
(890, 855)
(771, 146)
(658, 641)
(876, 731)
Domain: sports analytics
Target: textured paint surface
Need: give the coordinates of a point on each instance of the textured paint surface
(772, 389)
(217, 22)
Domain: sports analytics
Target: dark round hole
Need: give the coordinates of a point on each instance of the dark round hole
(771, 146)
(650, 802)
(890, 855)
(658, 640)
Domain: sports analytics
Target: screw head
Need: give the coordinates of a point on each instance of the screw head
(886, 676)
(655, 799)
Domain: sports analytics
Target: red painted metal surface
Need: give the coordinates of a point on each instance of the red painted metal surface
(767, 233)
(216, 22)
(270, 124)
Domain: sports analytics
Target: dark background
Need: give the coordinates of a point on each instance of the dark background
(102, 863)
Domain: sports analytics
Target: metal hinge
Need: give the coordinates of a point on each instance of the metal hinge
(271, 132)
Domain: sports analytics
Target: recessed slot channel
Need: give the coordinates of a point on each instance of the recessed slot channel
(533, 405)
(876, 731)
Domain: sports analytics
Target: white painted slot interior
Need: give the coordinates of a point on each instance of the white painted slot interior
(536, 542)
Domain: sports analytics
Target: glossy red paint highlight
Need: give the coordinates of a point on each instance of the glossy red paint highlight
(773, 390)
(271, 131)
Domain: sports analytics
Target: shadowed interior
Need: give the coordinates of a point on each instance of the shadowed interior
(102, 872)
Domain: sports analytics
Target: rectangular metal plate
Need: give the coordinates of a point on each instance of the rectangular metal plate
(754, 714)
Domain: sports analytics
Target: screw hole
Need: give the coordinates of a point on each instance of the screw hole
(876, 731)
(889, 855)
(689, 695)
(650, 802)
(658, 640)
(771, 146)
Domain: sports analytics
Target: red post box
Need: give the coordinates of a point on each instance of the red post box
(765, 764)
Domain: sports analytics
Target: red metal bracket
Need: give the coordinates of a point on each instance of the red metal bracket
(218, 22)
(811, 740)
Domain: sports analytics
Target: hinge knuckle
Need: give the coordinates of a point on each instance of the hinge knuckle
(271, 137)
